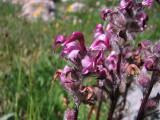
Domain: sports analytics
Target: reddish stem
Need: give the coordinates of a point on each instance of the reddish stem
(76, 112)
(114, 100)
(90, 112)
(99, 106)
(112, 108)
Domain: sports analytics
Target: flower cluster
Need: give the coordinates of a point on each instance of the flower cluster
(110, 59)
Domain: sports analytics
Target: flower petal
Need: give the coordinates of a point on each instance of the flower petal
(105, 12)
(98, 30)
(59, 39)
(147, 2)
(76, 36)
(101, 42)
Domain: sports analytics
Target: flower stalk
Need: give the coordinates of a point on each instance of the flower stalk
(113, 60)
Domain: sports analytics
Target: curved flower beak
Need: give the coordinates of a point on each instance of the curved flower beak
(59, 39)
(150, 64)
(58, 72)
(105, 12)
(76, 36)
(90, 94)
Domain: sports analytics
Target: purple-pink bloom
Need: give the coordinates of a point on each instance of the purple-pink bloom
(69, 114)
(98, 30)
(143, 18)
(109, 29)
(151, 64)
(125, 4)
(111, 61)
(59, 39)
(102, 72)
(101, 42)
(141, 45)
(156, 49)
(105, 12)
(68, 75)
(88, 65)
(147, 2)
(76, 36)
(71, 49)
(99, 58)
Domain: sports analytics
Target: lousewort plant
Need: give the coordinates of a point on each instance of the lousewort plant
(112, 60)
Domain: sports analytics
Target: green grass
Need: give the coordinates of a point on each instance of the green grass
(27, 63)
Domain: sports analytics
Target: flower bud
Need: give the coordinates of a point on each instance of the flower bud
(156, 49)
(151, 105)
(144, 81)
(69, 114)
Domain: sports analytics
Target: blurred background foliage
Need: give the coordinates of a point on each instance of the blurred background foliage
(27, 63)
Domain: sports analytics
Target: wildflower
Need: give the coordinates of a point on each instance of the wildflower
(69, 9)
(105, 12)
(45, 29)
(148, 2)
(151, 64)
(69, 114)
(144, 80)
(57, 25)
(98, 30)
(40, 8)
(75, 20)
(88, 22)
(74, 23)
(80, 20)
(36, 14)
(111, 59)
(101, 42)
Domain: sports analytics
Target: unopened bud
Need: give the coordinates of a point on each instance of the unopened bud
(151, 105)
(144, 81)
(69, 114)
